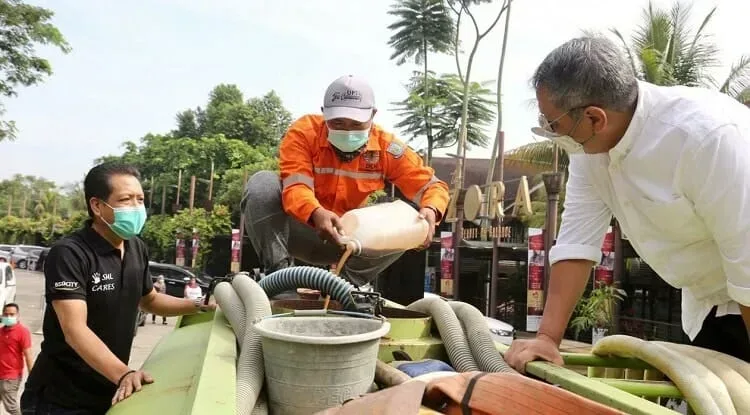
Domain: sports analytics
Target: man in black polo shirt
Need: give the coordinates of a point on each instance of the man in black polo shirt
(96, 279)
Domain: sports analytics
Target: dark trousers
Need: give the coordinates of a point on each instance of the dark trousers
(726, 334)
(32, 403)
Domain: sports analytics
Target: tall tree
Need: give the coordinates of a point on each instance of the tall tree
(259, 121)
(666, 50)
(22, 28)
(463, 8)
(498, 148)
(163, 157)
(422, 26)
(446, 103)
(187, 125)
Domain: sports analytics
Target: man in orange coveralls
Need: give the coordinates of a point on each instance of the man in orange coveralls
(329, 165)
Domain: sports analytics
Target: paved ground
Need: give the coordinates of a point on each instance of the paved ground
(29, 292)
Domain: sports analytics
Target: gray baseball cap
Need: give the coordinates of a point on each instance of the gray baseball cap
(349, 97)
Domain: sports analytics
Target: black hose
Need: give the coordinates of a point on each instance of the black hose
(309, 277)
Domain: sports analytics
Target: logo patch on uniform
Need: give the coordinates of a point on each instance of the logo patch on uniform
(66, 285)
(99, 282)
(396, 149)
(371, 159)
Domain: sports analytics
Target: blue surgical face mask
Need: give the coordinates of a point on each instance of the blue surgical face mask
(129, 220)
(9, 321)
(348, 141)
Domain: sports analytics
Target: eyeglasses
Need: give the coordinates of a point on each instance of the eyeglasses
(549, 126)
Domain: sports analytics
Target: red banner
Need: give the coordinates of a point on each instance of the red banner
(535, 280)
(605, 271)
(235, 250)
(180, 253)
(446, 264)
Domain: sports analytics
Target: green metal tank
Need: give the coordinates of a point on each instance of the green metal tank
(195, 372)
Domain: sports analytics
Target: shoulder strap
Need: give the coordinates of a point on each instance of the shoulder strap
(465, 409)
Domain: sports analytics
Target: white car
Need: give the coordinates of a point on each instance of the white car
(7, 284)
(500, 331)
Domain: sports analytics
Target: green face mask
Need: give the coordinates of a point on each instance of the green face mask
(9, 321)
(129, 220)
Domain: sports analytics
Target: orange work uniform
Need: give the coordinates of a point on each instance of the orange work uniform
(313, 176)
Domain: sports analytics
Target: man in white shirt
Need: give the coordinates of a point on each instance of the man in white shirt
(672, 164)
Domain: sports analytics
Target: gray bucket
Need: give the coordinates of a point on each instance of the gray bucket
(314, 363)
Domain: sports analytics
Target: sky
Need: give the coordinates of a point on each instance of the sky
(133, 68)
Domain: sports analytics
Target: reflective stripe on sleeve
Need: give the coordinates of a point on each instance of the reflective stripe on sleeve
(350, 174)
(298, 178)
(417, 199)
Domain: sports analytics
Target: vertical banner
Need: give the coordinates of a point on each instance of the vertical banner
(604, 272)
(180, 252)
(535, 280)
(234, 266)
(446, 264)
(195, 244)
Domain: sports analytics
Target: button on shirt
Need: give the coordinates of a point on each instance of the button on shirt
(678, 182)
(84, 266)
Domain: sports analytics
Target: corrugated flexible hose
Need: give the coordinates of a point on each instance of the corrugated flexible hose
(480, 342)
(450, 331)
(309, 277)
(244, 301)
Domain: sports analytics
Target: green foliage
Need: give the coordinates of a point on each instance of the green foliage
(597, 309)
(42, 197)
(260, 121)
(160, 159)
(161, 231)
(422, 26)
(23, 27)
(445, 102)
(44, 229)
(666, 50)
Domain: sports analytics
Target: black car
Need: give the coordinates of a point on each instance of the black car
(175, 277)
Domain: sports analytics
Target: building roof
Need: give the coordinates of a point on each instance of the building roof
(476, 173)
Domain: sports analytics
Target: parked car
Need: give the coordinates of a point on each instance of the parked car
(5, 257)
(500, 331)
(7, 284)
(36, 259)
(21, 254)
(175, 277)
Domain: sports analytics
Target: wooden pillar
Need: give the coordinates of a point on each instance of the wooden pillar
(191, 200)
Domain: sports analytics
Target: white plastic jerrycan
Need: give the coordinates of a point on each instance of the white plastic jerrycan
(384, 228)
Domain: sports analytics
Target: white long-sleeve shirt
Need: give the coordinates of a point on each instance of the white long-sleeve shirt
(679, 184)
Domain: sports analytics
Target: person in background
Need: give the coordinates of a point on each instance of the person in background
(161, 287)
(96, 279)
(192, 290)
(15, 349)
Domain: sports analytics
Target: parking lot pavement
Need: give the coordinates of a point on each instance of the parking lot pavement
(29, 292)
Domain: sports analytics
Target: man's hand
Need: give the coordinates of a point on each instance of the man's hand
(429, 215)
(327, 224)
(525, 351)
(131, 383)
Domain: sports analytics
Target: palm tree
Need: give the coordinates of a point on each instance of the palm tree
(423, 26)
(446, 103)
(665, 50)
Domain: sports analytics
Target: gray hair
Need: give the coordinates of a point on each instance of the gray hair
(588, 70)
